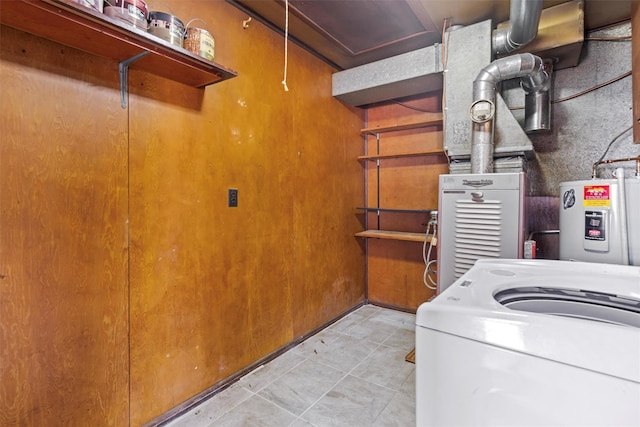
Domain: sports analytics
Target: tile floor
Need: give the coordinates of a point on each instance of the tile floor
(352, 373)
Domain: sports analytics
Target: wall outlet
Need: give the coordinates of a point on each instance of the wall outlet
(233, 197)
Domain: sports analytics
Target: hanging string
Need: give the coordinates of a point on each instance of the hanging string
(286, 42)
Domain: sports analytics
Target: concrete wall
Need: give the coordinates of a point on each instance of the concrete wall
(583, 127)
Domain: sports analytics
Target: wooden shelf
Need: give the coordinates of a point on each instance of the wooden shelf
(396, 210)
(400, 155)
(80, 27)
(393, 235)
(435, 120)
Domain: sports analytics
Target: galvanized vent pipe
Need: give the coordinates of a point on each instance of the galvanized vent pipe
(523, 26)
(537, 102)
(523, 65)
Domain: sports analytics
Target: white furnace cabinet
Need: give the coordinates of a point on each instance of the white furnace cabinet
(480, 216)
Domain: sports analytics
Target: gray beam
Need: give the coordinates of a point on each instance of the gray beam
(403, 75)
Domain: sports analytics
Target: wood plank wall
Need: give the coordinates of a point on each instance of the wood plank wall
(206, 290)
(215, 288)
(63, 237)
(395, 268)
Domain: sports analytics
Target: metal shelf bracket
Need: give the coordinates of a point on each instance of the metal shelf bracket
(123, 68)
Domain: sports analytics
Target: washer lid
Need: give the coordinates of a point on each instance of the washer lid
(577, 303)
(516, 305)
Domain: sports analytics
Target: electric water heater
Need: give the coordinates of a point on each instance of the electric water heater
(600, 221)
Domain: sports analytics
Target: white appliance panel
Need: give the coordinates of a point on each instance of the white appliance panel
(531, 342)
(480, 216)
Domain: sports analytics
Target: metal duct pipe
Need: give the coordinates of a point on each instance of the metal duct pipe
(523, 26)
(484, 97)
(537, 102)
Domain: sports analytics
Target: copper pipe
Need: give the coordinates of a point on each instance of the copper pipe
(626, 159)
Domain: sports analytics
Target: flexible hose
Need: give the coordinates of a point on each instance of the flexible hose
(427, 278)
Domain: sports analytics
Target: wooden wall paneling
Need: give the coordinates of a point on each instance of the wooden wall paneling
(325, 143)
(409, 183)
(203, 301)
(214, 288)
(402, 221)
(428, 138)
(63, 237)
(407, 110)
(372, 197)
(395, 273)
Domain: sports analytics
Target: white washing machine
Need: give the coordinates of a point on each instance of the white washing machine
(531, 343)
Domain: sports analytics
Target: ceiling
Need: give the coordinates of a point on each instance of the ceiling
(348, 33)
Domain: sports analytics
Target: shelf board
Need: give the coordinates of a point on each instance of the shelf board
(393, 235)
(396, 210)
(74, 25)
(435, 120)
(400, 155)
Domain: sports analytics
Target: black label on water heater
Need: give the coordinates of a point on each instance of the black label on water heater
(594, 225)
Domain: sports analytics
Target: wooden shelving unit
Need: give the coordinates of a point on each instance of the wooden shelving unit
(394, 235)
(435, 120)
(395, 210)
(400, 155)
(429, 121)
(80, 27)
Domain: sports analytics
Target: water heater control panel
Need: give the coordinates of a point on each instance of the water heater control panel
(599, 221)
(595, 230)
